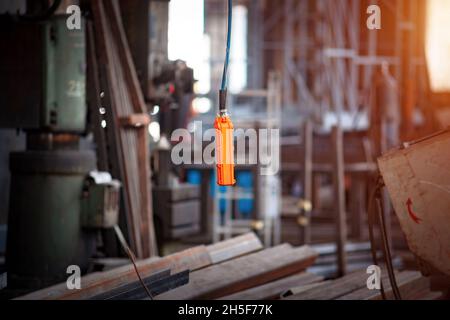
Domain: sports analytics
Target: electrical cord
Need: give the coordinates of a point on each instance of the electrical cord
(371, 223)
(376, 198)
(223, 88)
(387, 250)
(132, 257)
(227, 55)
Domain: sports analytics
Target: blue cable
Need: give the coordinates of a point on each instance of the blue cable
(227, 56)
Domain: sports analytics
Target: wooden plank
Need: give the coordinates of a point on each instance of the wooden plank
(142, 171)
(243, 273)
(125, 99)
(409, 284)
(135, 120)
(116, 152)
(301, 288)
(330, 290)
(235, 247)
(193, 259)
(339, 187)
(363, 292)
(115, 105)
(99, 282)
(274, 289)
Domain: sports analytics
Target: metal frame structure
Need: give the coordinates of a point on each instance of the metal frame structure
(327, 67)
(327, 35)
(327, 59)
(268, 226)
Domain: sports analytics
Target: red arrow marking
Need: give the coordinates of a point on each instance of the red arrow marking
(411, 213)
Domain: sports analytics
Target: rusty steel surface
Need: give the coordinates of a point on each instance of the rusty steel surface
(418, 180)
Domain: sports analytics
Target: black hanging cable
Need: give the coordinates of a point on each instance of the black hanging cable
(387, 250)
(375, 198)
(224, 85)
(132, 258)
(373, 245)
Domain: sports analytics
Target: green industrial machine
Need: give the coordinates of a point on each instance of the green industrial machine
(44, 224)
(57, 200)
(46, 90)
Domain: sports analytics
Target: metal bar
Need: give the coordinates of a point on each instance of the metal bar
(158, 283)
(307, 178)
(341, 216)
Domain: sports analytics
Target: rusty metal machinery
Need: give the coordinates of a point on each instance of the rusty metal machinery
(417, 178)
(57, 200)
(44, 225)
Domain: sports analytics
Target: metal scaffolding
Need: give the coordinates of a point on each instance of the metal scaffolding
(326, 65)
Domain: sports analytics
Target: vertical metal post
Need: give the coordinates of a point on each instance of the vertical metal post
(307, 179)
(339, 190)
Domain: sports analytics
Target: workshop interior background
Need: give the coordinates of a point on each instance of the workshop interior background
(108, 184)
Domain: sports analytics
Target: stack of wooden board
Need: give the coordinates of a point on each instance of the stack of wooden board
(190, 259)
(412, 286)
(238, 269)
(216, 270)
(245, 272)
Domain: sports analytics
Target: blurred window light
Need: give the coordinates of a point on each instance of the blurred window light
(238, 53)
(187, 41)
(349, 121)
(154, 130)
(438, 44)
(155, 110)
(203, 72)
(201, 105)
